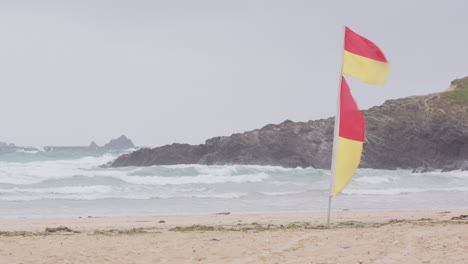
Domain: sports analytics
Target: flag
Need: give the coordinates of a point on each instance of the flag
(350, 139)
(362, 59)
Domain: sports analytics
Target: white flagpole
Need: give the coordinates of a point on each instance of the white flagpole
(335, 136)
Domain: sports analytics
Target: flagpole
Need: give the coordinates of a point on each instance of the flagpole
(335, 134)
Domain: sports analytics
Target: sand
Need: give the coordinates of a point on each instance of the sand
(355, 237)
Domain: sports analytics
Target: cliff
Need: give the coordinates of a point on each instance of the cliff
(419, 132)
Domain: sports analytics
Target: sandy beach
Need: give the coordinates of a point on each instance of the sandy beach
(354, 237)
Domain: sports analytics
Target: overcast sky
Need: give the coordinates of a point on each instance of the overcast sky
(184, 71)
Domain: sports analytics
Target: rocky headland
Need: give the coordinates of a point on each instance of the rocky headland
(419, 132)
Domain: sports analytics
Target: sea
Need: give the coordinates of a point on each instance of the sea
(39, 182)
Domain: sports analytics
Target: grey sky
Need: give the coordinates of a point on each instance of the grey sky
(184, 71)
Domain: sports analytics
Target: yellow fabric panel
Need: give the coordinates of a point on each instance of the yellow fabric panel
(365, 69)
(347, 160)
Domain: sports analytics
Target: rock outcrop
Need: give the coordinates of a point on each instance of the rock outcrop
(93, 146)
(119, 143)
(6, 145)
(419, 132)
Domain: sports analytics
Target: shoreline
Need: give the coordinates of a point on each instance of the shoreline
(225, 218)
(48, 209)
(409, 236)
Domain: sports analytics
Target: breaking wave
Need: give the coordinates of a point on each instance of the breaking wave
(70, 175)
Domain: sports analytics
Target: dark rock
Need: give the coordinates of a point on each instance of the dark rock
(6, 145)
(425, 132)
(119, 143)
(93, 146)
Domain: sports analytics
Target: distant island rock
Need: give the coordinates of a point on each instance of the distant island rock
(93, 146)
(7, 145)
(120, 143)
(419, 132)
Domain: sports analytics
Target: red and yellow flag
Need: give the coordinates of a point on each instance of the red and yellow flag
(350, 139)
(362, 59)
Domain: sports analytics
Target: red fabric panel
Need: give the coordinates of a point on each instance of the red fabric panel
(352, 122)
(361, 46)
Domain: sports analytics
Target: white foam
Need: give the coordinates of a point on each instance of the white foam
(39, 148)
(454, 174)
(282, 193)
(27, 151)
(61, 190)
(372, 179)
(231, 195)
(206, 168)
(200, 179)
(39, 171)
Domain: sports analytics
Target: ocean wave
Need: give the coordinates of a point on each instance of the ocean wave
(373, 179)
(232, 168)
(31, 150)
(27, 151)
(231, 195)
(284, 193)
(124, 177)
(70, 190)
(84, 162)
(38, 171)
(83, 197)
(448, 174)
(200, 179)
(77, 176)
(106, 192)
